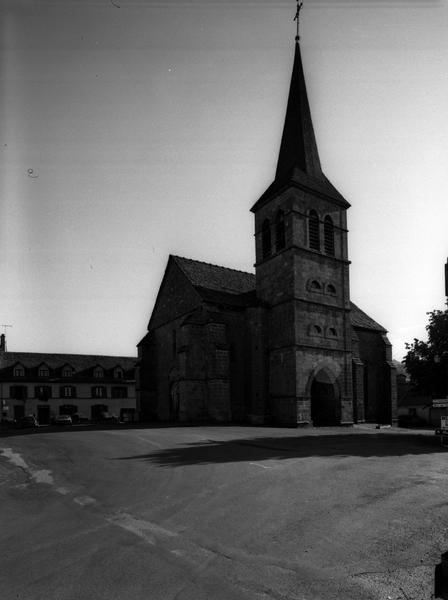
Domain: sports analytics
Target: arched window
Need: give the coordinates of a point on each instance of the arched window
(314, 286)
(280, 231)
(266, 237)
(329, 236)
(315, 330)
(331, 332)
(313, 230)
(331, 289)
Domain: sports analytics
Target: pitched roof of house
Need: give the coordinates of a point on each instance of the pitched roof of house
(79, 362)
(228, 286)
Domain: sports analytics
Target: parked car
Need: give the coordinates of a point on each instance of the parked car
(28, 421)
(106, 417)
(64, 420)
(78, 419)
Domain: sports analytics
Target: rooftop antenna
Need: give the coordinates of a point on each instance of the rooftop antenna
(297, 18)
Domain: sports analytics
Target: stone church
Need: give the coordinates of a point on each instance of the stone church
(285, 345)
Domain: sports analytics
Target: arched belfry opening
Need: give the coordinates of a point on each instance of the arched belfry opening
(325, 400)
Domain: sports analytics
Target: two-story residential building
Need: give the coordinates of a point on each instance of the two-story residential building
(48, 385)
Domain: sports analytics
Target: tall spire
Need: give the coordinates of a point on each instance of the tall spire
(298, 146)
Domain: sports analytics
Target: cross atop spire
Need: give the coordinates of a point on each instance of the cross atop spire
(297, 18)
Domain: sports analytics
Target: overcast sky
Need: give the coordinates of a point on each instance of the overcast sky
(135, 129)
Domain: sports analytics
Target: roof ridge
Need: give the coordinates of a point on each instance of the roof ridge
(69, 354)
(212, 265)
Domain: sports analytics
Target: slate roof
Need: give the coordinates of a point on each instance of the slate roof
(79, 362)
(298, 162)
(214, 277)
(221, 285)
(362, 320)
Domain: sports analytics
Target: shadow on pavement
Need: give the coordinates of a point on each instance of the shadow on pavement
(265, 448)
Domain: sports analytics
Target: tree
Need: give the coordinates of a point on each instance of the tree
(427, 362)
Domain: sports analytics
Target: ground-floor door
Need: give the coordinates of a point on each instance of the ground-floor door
(97, 411)
(43, 414)
(325, 403)
(19, 411)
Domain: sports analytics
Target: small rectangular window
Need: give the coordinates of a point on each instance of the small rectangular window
(119, 392)
(18, 392)
(99, 392)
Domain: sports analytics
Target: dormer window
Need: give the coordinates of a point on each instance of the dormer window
(118, 373)
(43, 371)
(98, 372)
(67, 372)
(313, 230)
(19, 371)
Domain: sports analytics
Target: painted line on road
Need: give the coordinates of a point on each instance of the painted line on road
(151, 442)
(40, 476)
(144, 529)
(84, 500)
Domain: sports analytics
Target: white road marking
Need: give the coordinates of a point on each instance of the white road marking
(150, 442)
(259, 465)
(14, 458)
(84, 500)
(144, 529)
(41, 476)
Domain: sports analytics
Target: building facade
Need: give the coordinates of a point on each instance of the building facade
(48, 385)
(284, 345)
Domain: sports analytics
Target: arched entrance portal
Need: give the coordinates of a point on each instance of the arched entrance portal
(325, 403)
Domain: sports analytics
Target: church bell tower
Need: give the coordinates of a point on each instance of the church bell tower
(302, 276)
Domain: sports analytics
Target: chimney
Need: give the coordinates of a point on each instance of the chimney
(2, 343)
(446, 279)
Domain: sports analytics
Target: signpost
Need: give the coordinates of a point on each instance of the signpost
(442, 403)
